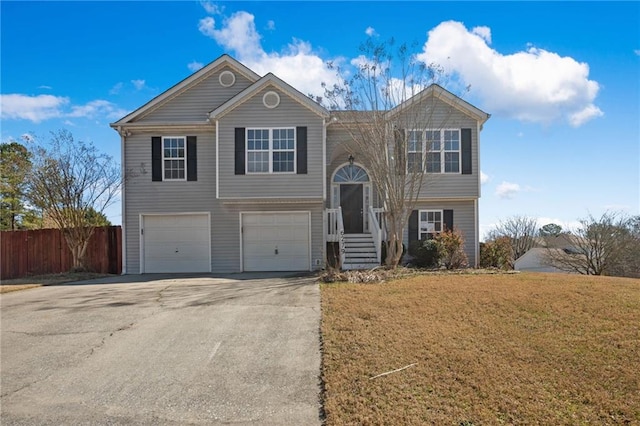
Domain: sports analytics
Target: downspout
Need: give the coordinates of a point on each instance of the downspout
(324, 192)
(122, 201)
(217, 162)
(476, 212)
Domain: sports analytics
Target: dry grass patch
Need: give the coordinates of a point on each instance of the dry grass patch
(49, 279)
(488, 349)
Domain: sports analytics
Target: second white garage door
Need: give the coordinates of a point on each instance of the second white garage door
(275, 241)
(176, 243)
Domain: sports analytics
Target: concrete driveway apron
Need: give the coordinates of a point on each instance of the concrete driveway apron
(241, 349)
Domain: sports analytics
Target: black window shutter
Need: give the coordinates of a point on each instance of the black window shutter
(413, 226)
(240, 149)
(156, 158)
(465, 137)
(192, 158)
(447, 218)
(400, 149)
(301, 150)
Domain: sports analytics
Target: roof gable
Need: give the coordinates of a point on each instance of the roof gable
(182, 86)
(266, 81)
(444, 95)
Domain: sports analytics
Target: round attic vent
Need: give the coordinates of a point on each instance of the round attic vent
(271, 99)
(227, 78)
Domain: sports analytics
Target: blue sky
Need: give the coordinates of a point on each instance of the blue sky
(561, 80)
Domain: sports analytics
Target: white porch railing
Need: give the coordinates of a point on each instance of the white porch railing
(382, 224)
(333, 233)
(343, 250)
(376, 232)
(335, 230)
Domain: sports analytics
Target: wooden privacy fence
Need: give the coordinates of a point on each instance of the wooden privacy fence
(45, 251)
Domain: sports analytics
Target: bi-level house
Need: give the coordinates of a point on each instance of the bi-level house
(229, 171)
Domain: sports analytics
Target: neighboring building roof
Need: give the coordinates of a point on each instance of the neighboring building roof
(266, 81)
(185, 84)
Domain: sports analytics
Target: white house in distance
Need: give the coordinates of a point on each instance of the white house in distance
(232, 171)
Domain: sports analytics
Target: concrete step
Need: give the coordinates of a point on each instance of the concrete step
(360, 249)
(362, 265)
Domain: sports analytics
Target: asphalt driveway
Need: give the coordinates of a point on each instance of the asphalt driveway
(238, 349)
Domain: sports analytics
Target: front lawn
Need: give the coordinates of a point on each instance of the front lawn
(482, 350)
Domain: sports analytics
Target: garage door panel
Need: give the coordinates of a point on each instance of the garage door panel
(176, 243)
(275, 242)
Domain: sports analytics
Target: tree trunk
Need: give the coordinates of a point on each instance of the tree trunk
(78, 241)
(394, 242)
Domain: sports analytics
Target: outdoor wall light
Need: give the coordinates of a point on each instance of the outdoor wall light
(351, 159)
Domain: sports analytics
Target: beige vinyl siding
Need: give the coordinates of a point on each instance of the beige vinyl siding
(226, 240)
(463, 219)
(438, 115)
(195, 103)
(253, 114)
(434, 115)
(142, 196)
(146, 197)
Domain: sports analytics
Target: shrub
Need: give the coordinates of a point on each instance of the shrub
(424, 253)
(497, 254)
(450, 248)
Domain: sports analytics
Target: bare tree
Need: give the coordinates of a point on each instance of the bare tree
(72, 183)
(599, 246)
(384, 114)
(521, 231)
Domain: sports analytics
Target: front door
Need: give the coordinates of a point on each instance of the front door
(351, 203)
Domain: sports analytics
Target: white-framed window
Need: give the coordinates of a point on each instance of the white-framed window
(429, 224)
(271, 150)
(174, 158)
(440, 150)
(414, 151)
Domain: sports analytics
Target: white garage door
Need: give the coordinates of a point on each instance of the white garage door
(275, 241)
(176, 243)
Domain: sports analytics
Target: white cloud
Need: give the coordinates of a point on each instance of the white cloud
(370, 31)
(507, 190)
(484, 178)
(45, 87)
(238, 34)
(116, 88)
(97, 108)
(45, 107)
(533, 85)
(271, 25)
(138, 84)
(33, 108)
(484, 32)
(211, 8)
(195, 66)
